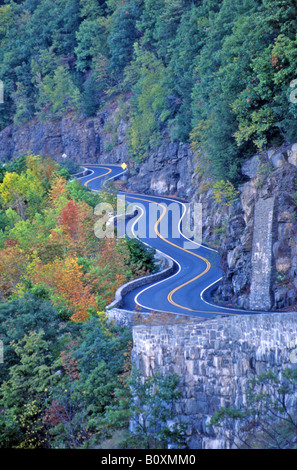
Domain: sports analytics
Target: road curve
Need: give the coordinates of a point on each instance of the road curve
(197, 267)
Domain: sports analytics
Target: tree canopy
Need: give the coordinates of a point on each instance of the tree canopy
(215, 74)
(63, 360)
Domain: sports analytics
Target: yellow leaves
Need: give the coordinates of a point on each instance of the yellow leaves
(225, 193)
(45, 241)
(12, 184)
(16, 190)
(66, 278)
(13, 264)
(58, 194)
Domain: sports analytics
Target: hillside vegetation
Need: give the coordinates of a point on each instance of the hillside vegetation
(63, 361)
(214, 73)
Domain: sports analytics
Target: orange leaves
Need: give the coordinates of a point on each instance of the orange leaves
(70, 219)
(76, 223)
(274, 60)
(42, 167)
(13, 265)
(57, 231)
(65, 278)
(57, 193)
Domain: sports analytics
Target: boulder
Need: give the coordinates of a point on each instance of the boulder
(248, 194)
(292, 155)
(251, 166)
(277, 159)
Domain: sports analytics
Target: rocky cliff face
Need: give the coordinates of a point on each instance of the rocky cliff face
(103, 139)
(170, 170)
(260, 254)
(99, 139)
(215, 361)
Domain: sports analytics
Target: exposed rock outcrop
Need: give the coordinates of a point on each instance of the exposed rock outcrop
(168, 170)
(171, 170)
(215, 361)
(272, 175)
(92, 140)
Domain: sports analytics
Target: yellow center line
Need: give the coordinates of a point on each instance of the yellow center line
(97, 177)
(208, 264)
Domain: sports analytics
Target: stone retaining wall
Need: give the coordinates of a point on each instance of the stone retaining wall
(167, 270)
(82, 174)
(215, 360)
(260, 295)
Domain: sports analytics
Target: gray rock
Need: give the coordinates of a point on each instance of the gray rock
(277, 159)
(251, 166)
(292, 155)
(249, 344)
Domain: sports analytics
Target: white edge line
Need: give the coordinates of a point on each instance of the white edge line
(98, 165)
(116, 176)
(182, 204)
(156, 283)
(170, 277)
(179, 269)
(80, 177)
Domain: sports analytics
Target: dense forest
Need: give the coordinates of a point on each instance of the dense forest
(66, 378)
(214, 73)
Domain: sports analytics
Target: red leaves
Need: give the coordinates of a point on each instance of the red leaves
(55, 414)
(70, 219)
(11, 242)
(70, 364)
(274, 60)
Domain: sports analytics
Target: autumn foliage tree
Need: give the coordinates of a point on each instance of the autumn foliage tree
(64, 360)
(13, 264)
(65, 279)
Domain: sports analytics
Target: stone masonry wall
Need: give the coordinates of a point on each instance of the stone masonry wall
(253, 240)
(215, 360)
(260, 296)
(173, 169)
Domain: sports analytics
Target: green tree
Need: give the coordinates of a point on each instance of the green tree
(31, 312)
(141, 256)
(93, 368)
(92, 9)
(166, 26)
(23, 105)
(149, 106)
(60, 92)
(90, 39)
(184, 48)
(122, 36)
(91, 98)
(26, 388)
(149, 407)
(268, 419)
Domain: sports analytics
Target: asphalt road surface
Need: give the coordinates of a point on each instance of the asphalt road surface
(160, 223)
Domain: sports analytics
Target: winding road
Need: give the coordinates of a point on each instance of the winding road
(197, 267)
